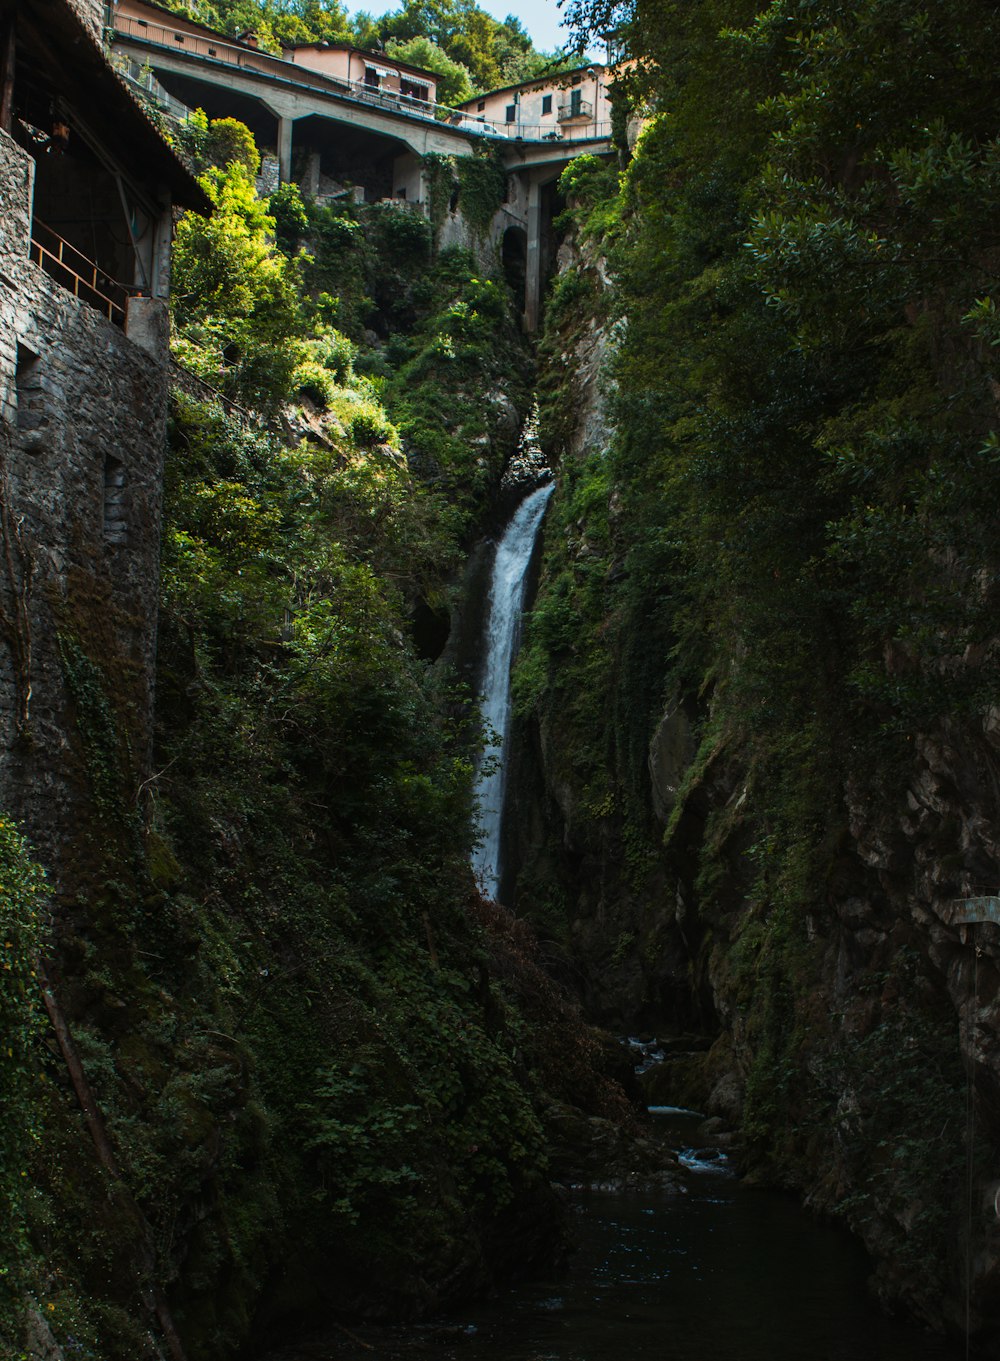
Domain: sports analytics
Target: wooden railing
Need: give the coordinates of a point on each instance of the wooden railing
(71, 268)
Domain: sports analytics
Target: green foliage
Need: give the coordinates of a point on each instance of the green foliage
(442, 183)
(235, 303)
(802, 544)
(491, 51)
(22, 932)
(454, 85)
(346, 961)
(590, 187)
(97, 727)
(475, 184)
(339, 271)
(217, 144)
(465, 345)
(291, 219)
(482, 183)
(275, 22)
(316, 1059)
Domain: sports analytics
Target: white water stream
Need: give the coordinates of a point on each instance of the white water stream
(503, 629)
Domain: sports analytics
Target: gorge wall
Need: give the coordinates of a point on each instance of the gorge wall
(758, 750)
(756, 725)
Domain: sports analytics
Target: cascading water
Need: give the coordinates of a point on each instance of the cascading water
(510, 570)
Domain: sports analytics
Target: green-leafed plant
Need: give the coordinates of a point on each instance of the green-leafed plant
(22, 931)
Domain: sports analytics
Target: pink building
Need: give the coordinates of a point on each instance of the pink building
(567, 107)
(367, 72)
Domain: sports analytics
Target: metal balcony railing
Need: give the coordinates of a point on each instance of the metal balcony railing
(574, 108)
(263, 63)
(73, 271)
(214, 50)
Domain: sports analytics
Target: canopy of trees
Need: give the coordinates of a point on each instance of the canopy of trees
(455, 38)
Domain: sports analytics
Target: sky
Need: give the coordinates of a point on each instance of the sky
(539, 17)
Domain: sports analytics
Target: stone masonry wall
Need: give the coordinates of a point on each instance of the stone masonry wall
(82, 430)
(92, 13)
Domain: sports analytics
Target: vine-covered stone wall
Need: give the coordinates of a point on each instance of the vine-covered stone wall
(82, 440)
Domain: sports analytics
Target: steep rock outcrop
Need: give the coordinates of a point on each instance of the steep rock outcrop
(853, 1024)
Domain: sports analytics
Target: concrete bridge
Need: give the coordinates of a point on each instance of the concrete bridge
(340, 130)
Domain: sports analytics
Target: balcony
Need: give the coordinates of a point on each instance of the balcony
(574, 108)
(80, 276)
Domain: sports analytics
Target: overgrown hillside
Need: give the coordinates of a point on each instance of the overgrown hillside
(298, 1069)
(758, 696)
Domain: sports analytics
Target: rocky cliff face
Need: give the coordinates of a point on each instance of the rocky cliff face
(850, 1025)
(856, 1046)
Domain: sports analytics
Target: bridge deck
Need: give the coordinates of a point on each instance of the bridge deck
(235, 65)
(293, 96)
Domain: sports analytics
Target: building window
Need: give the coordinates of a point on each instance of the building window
(480, 106)
(371, 77)
(576, 103)
(546, 104)
(178, 37)
(511, 113)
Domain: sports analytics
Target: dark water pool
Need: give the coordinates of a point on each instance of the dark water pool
(724, 1272)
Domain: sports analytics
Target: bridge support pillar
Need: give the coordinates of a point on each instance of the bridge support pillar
(310, 182)
(285, 149)
(533, 269)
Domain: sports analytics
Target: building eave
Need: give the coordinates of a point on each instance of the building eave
(383, 58)
(88, 82)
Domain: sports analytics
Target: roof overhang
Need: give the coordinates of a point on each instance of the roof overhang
(78, 71)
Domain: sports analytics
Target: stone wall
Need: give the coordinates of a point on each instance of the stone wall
(82, 429)
(92, 13)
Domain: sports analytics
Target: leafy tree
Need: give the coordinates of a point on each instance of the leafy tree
(455, 84)
(275, 22)
(487, 48)
(218, 143)
(234, 298)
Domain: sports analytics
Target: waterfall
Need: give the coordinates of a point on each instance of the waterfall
(510, 570)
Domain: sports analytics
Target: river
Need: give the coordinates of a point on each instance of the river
(722, 1272)
(725, 1272)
